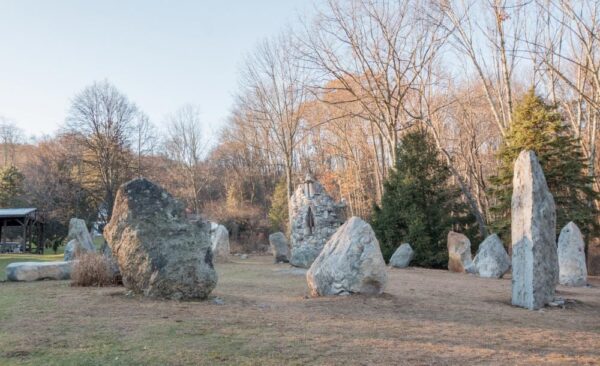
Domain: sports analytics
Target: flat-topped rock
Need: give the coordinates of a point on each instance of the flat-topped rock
(533, 233)
(571, 256)
(459, 252)
(35, 271)
(350, 263)
(491, 260)
(402, 256)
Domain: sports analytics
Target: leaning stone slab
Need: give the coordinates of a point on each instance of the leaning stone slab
(80, 240)
(35, 271)
(533, 228)
(159, 252)
(571, 256)
(279, 247)
(491, 260)
(350, 263)
(402, 256)
(219, 237)
(459, 252)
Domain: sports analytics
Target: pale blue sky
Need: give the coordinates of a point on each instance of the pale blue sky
(161, 54)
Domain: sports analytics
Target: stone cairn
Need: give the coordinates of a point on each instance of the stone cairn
(315, 218)
(533, 231)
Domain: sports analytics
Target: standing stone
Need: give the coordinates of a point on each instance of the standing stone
(159, 252)
(112, 263)
(315, 218)
(491, 260)
(459, 252)
(402, 256)
(80, 240)
(279, 247)
(533, 228)
(36, 271)
(350, 263)
(219, 237)
(571, 256)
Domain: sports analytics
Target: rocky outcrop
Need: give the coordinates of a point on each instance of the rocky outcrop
(459, 252)
(279, 247)
(219, 237)
(571, 256)
(402, 256)
(533, 230)
(491, 260)
(159, 252)
(350, 263)
(80, 240)
(35, 271)
(315, 218)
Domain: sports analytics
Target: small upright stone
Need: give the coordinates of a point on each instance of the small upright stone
(491, 260)
(533, 230)
(279, 247)
(80, 240)
(350, 263)
(459, 252)
(402, 256)
(219, 237)
(571, 256)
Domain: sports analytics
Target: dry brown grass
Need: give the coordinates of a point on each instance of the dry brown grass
(91, 269)
(425, 317)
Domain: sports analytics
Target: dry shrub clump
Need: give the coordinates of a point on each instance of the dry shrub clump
(92, 269)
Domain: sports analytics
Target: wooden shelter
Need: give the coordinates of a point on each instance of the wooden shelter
(25, 224)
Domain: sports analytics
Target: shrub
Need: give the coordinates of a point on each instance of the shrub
(92, 269)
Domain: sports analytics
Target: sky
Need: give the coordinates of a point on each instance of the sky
(161, 54)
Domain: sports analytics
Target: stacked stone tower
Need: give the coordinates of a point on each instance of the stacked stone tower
(315, 218)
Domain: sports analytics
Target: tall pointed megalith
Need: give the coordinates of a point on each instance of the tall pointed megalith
(533, 231)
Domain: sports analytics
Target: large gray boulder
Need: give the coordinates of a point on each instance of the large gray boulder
(279, 247)
(491, 260)
(159, 252)
(571, 256)
(350, 263)
(402, 256)
(219, 237)
(35, 271)
(459, 252)
(80, 240)
(533, 230)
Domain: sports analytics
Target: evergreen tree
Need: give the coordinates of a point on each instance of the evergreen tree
(11, 186)
(278, 214)
(540, 127)
(418, 205)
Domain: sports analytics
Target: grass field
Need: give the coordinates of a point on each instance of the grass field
(425, 317)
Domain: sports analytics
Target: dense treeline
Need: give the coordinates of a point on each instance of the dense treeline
(335, 97)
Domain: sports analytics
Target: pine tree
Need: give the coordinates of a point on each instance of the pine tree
(419, 206)
(540, 127)
(11, 186)
(278, 214)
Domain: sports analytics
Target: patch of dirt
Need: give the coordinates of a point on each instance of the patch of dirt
(264, 316)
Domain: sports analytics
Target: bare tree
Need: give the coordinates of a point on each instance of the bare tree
(144, 141)
(186, 145)
(375, 52)
(274, 95)
(10, 137)
(102, 118)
